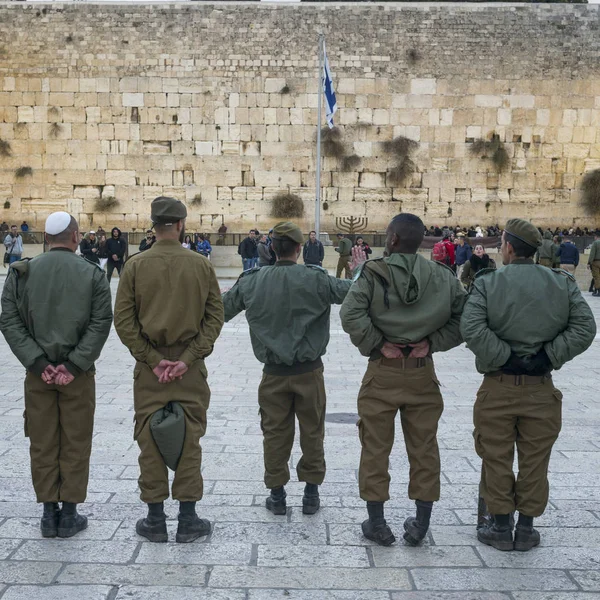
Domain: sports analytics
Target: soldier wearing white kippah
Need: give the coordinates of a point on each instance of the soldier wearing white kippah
(56, 317)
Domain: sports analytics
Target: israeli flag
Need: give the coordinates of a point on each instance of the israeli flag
(328, 90)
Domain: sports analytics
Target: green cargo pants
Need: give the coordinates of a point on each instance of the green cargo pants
(546, 262)
(508, 413)
(386, 389)
(281, 398)
(193, 393)
(59, 421)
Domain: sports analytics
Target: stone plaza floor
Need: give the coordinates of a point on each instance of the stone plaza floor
(254, 555)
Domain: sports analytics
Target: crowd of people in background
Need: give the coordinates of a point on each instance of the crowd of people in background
(495, 230)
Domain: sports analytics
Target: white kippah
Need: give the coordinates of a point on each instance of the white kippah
(57, 222)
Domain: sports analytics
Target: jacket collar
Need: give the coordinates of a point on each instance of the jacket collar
(285, 263)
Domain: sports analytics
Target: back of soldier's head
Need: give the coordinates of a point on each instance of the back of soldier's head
(405, 234)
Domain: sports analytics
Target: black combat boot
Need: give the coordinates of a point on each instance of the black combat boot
(498, 533)
(276, 501)
(154, 526)
(526, 537)
(70, 521)
(190, 527)
(310, 500)
(49, 522)
(483, 516)
(416, 527)
(375, 528)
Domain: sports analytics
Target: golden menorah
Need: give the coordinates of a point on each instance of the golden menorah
(351, 224)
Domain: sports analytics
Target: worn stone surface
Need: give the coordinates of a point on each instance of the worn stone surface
(254, 555)
(131, 101)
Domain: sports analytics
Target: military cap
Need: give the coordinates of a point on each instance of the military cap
(288, 230)
(166, 211)
(524, 231)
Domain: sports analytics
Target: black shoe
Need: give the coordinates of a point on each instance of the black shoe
(501, 539)
(70, 521)
(378, 532)
(526, 538)
(191, 528)
(310, 501)
(416, 527)
(49, 522)
(483, 515)
(154, 526)
(276, 501)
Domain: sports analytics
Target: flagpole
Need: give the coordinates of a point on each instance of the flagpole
(320, 101)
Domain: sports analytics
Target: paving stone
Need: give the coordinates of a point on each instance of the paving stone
(449, 596)
(554, 596)
(492, 579)
(128, 592)
(7, 547)
(315, 556)
(293, 534)
(588, 580)
(289, 594)
(30, 529)
(57, 592)
(195, 554)
(312, 578)
(400, 555)
(28, 572)
(543, 558)
(142, 575)
(75, 551)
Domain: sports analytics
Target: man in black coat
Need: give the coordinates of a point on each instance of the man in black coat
(116, 247)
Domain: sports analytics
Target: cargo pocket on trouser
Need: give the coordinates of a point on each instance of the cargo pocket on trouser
(25, 427)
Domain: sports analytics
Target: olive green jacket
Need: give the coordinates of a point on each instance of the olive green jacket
(56, 309)
(594, 252)
(287, 308)
(344, 247)
(522, 308)
(403, 299)
(168, 296)
(467, 276)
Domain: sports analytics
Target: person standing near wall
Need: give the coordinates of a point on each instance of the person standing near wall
(116, 248)
(13, 243)
(313, 252)
(344, 249)
(594, 263)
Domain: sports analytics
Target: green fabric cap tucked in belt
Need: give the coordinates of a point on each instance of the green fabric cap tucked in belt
(167, 426)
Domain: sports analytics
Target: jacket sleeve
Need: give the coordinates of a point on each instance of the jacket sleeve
(579, 333)
(338, 289)
(559, 251)
(233, 302)
(449, 336)
(304, 251)
(576, 256)
(86, 249)
(127, 324)
(210, 327)
(16, 333)
(474, 327)
(356, 320)
(321, 252)
(96, 333)
(469, 253)
(466, 273)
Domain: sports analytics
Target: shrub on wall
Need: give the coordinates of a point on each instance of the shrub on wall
(5, 148)
(494, 150)
(287, 206)
(590, 192)
(106, 203)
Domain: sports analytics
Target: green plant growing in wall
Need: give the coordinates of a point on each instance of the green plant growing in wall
(590, 192)
(5, 148)
(492, 149)
(350, 163)
(106, 203)
(333, 146)
(325, 205)
(401, 174)
(196, 200)
(55, 130)
(7, 204)
(286, 89)
(401, 148)
(23, 172)
(287, 206)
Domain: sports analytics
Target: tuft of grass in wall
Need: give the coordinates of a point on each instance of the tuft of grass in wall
(590, 192)
(350, 163)
(401, 174)
(196, 200)
(22, 172)
(7, 205)
(286, 89)
(413, 56)
(106, 203)
(287, 206)
(325, 205)
(492, 149)
(55, 130)
(5, 148)
(400, 146)
(333, 146)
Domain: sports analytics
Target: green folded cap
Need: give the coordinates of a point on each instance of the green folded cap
(288, 230)
(167, 426)
(166, 211)
(524, 231)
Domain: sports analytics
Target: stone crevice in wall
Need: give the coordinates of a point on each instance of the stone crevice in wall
(134, 101)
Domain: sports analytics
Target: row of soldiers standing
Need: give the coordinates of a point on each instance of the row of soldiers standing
(399, 311)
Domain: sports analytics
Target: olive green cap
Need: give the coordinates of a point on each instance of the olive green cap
(288, 230)
(524, 231)
(166, 211)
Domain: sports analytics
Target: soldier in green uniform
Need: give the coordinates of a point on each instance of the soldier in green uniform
(169, 314)
(518, 341)
(400, 310)
(344, 249)
(546, 253)
(594, 264)
(287, 308)
(56, 317)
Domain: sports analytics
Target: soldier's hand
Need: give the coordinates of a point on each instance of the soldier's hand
(177, 371)
(390, 350)
(161, 369)
(48, 374)
(420, 349)
(63, 376)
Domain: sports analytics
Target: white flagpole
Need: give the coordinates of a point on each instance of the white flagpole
(320, 101)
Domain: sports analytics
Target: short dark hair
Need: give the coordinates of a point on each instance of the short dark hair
(312, 232)
(340, 235)
(64, 236)
(410, 231)
(284, 247)
(522, 249)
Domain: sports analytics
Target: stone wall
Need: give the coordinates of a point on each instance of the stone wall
(216, 104)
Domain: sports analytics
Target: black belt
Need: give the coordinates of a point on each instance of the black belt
(519, 379)
(299, 368)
